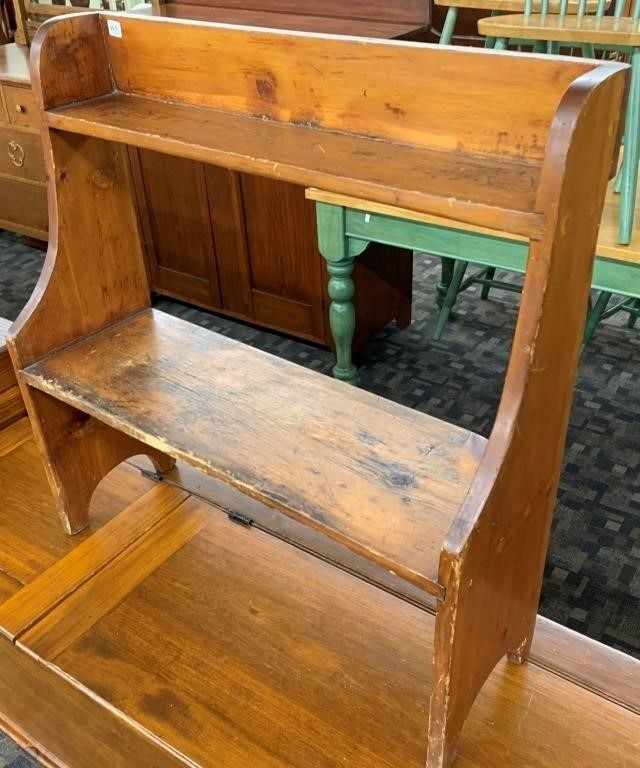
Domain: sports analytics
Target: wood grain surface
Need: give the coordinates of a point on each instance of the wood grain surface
(376, 476)
(242, 650)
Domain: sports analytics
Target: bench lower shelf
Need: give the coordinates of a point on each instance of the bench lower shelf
(232, 648)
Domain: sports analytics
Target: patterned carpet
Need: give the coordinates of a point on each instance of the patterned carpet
(592, 578)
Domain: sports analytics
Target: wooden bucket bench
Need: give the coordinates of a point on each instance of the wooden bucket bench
(463, 519)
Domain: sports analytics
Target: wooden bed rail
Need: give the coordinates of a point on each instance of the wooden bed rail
(105, 377)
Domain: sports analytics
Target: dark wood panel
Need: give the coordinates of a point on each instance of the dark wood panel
(283, 253)
(401, 11)
(23, 207)
(228, 220)
(21, 154)
(301, 23)
(174, 211)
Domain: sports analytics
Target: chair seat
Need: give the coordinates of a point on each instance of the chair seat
(606, 31)
(516, 6)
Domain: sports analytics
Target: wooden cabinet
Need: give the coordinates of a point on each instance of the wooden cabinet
(246, 246)
(23, 196)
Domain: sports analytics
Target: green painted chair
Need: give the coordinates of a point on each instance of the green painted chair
(617, 34)
(498, 7)
(546, 26)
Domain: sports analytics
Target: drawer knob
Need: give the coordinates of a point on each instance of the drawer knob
(16, 153)
(20, 109)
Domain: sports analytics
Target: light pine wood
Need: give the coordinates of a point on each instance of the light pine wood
(140, 700)
(110, 379)
(14, 436)
(31, 536)
(66, 576)
(503, 194)
(515, 6)
(566, 29)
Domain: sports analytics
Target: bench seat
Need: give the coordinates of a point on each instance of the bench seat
(380, 478)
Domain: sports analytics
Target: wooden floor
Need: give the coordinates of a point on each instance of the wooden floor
(169, 635)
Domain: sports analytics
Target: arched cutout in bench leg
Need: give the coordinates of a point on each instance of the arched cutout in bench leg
(78, 452)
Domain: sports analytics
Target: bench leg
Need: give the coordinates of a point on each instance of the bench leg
(78, 452)
(465, 653)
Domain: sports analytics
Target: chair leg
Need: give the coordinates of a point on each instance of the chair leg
(449, 26)
(629, 181)
(446, 275)
(594, 315)
(450, 299)
(634, 313)
(489, 275)
(501, 44)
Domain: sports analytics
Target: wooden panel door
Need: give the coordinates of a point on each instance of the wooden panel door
(285, 265)
(174, 214)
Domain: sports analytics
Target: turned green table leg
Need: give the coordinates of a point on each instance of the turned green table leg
(340, 253)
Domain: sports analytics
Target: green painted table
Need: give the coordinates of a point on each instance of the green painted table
(347, 225)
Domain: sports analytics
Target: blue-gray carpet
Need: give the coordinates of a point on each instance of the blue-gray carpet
(592, 578)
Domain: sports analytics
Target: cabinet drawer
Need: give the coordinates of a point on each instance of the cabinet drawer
(22, 107)
(21, 154)
(23, 207)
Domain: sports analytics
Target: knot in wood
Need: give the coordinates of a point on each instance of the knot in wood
(104, 177)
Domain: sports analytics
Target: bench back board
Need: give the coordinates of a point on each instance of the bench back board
(400, 92)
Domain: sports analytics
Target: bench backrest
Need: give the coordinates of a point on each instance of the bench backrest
(420, 94)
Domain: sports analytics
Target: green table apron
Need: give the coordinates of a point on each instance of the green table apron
(344, 233)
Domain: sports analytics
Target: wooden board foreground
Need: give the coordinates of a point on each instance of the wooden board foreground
(170, 636)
